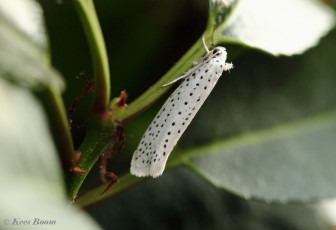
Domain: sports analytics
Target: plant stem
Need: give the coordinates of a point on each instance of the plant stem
(94, 196)
(124, 182)
(156, 91)
(97, 139)
(99, 135)
(89, 19)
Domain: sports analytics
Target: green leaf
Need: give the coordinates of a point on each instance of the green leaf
(186, 199)
(27, 17)
(278, 27)
(19, 46)
(32, 184)
(30, 173)
(24, 60)
(293, 162)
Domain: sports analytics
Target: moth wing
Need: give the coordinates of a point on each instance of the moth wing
(174, 117)
(179, 110)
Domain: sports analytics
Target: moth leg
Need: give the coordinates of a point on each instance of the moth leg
(196, 64)
(205, 46)
(177, 79)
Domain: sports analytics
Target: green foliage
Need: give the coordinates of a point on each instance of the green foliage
(32, 185)
(266, 133)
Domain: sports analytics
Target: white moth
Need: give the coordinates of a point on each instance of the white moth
(150, 158)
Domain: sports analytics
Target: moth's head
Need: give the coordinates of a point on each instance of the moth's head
(219, 52)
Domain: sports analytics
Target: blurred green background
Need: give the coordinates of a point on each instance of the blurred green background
(144, 39)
